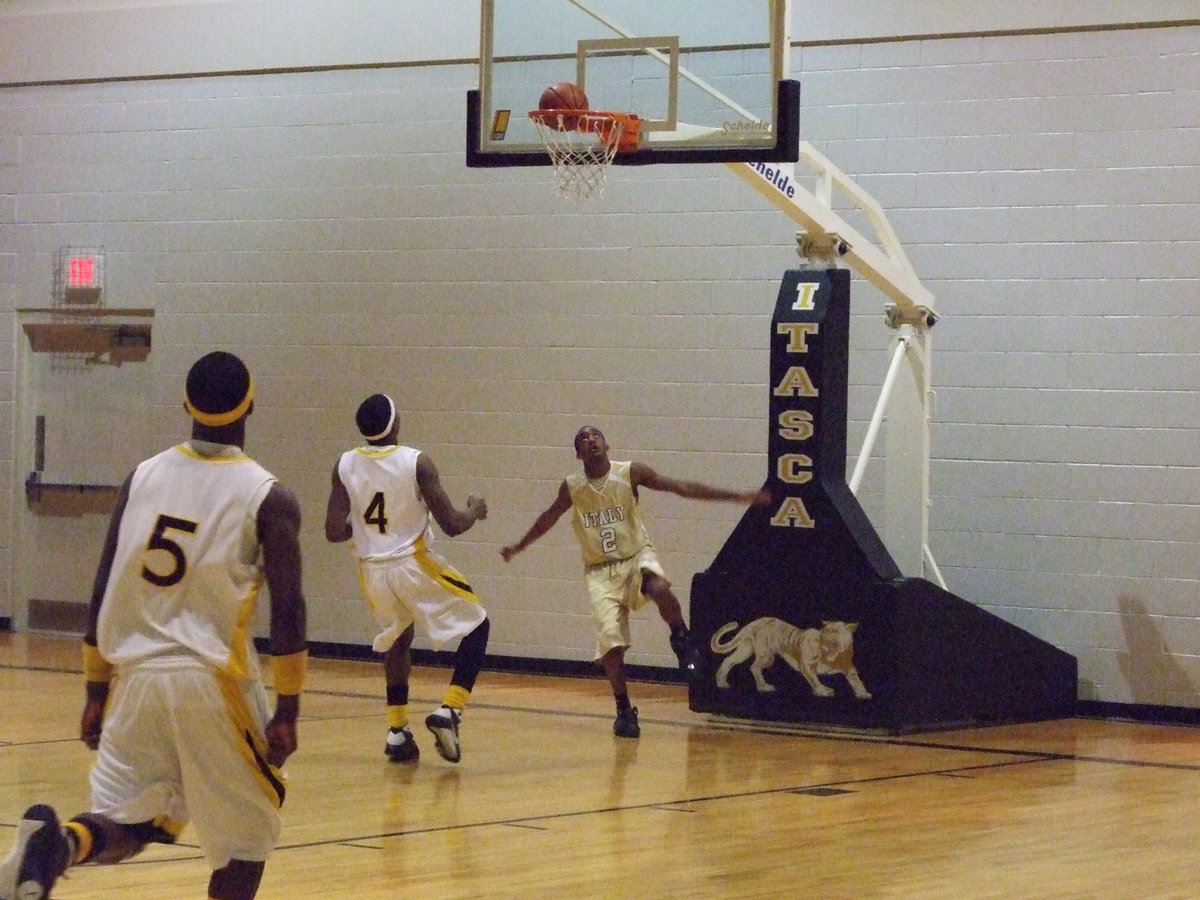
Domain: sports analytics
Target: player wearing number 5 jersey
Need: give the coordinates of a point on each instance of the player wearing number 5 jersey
(384, 497)
(621, 568)
(187, 735)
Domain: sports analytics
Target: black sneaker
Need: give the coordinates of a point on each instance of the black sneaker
(443, 722)
(626, 724)
(37, 858)
(401, 746)
(688, 656)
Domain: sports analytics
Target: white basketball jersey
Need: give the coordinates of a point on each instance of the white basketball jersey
(606, 517)
(388, 516)
(187, 568)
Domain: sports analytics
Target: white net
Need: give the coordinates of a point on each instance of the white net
(582, 147)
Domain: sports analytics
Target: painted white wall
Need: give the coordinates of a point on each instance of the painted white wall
(323, 225)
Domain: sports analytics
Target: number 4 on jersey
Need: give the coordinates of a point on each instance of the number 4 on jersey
(375, 514)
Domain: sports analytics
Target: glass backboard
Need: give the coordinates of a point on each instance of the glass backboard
(707, 80)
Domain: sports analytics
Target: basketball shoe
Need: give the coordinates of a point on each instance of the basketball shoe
(38, 857)
(400, 746)
(626, 725)
(688, 656)
(443, 723)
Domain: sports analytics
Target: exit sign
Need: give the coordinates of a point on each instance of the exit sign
(83, 272)
(81, 275)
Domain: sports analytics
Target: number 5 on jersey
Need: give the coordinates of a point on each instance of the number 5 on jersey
(159, 541)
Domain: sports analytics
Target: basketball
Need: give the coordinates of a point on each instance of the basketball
(564, 95)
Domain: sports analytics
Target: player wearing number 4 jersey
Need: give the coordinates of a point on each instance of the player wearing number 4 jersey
(383, 496)
(620, 565)
(188, 735)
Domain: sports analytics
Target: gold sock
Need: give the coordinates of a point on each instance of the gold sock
(397, 716)
(83, 841)
(456, 697)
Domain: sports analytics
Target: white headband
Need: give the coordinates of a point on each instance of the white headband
(390, 422)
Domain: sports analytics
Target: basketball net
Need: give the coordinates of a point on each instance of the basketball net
(582, 146)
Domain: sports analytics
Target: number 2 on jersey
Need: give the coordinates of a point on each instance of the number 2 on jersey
(375, 514)
(608, 539)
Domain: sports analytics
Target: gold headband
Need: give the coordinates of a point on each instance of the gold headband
(217, 420)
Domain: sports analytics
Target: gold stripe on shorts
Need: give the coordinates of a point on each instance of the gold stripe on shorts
(448, 577)
(272, 781)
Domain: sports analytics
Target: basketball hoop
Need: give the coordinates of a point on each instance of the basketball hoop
(582, 144)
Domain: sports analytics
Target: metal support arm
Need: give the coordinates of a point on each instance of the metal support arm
(828, 239)
(885, 266)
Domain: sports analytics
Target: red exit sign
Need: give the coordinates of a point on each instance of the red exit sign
(82, 272)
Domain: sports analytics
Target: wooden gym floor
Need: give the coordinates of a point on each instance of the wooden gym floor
(547, 803)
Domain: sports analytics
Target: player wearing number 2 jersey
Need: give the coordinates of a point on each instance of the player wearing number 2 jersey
(188, 735)
(607, 520)
(621, 568)
(384, 496)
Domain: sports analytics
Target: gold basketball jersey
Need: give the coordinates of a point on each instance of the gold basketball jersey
(606, 516)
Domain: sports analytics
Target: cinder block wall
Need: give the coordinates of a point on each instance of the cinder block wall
(323, 225)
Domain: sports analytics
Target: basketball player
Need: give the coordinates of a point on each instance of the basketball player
(621, 567)
(187, 734)
(382, 495)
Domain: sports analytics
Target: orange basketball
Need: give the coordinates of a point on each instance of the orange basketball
(564, 95)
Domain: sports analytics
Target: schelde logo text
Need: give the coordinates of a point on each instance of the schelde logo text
(777, 177)
(746, 129)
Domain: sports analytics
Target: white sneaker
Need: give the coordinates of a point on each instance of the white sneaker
(443, 723)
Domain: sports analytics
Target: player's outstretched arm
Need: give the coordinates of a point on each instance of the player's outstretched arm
(543, 523)
(449, 518)
(643, 476)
